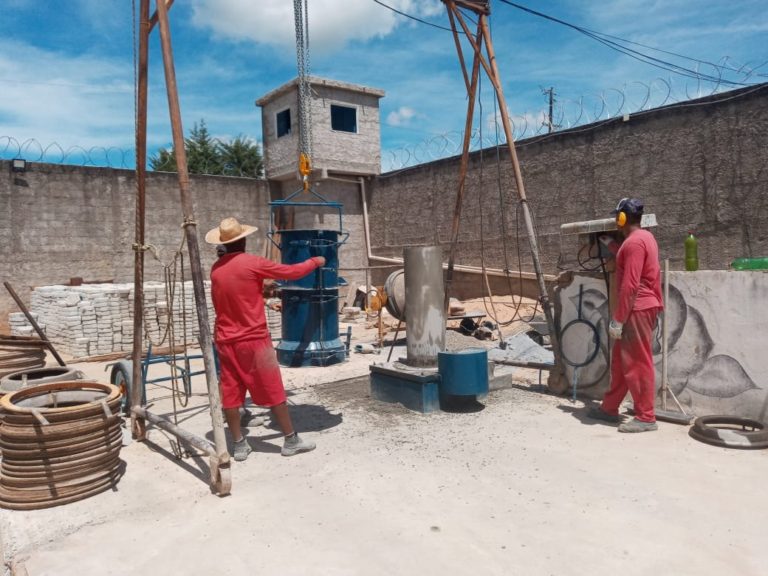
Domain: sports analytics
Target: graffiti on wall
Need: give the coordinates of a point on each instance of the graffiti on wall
(703, 379)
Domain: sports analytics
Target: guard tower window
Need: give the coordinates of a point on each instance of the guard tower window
(343, 118)
(283, 123)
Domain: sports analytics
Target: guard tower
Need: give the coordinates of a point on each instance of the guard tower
(344, 128)
(344, 123)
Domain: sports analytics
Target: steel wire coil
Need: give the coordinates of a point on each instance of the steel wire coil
(61, 443)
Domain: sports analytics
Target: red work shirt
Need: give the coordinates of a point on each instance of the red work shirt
(638, 275)
(237, 281)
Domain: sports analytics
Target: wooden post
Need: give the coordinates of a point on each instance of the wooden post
(543, 294)
(472, 91)
(138, 426)
(190, 231)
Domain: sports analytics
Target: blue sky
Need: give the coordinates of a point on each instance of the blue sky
(67, 67)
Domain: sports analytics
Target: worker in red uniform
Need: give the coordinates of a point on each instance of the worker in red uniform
(247, 360)
(638, 282)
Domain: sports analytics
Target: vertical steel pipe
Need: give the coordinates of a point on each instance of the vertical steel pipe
(424, 302)
(190, 233)
(138, 427)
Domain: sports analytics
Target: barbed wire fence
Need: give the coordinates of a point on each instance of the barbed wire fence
(33, 150)
(632, 98)
(567, 113)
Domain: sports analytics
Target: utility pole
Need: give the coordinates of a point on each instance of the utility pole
(550, 120)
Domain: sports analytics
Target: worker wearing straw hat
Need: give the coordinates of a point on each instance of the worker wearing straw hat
(247, 360)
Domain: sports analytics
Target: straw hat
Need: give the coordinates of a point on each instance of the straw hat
(230, 230)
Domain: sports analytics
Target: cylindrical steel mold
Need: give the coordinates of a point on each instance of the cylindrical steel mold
(310, 328)
(424, 302)
(463, 372)
(296, 246)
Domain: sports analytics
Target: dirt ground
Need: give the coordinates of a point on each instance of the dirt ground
(523, 484)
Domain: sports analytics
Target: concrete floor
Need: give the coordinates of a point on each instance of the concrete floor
(524, 486)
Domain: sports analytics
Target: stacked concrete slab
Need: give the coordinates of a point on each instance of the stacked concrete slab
(96, 319)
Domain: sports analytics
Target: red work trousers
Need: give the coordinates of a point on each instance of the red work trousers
(632, 367)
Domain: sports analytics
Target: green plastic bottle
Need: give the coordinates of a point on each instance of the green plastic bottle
(691, 253)
(750, 264)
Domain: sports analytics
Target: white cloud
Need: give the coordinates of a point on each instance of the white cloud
(332, 23)
(401, 117)
(46, 93)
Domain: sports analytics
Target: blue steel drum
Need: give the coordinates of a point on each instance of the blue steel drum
(296, 246)
(310, 330)
(463, 372)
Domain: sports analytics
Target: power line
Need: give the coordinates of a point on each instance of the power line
(613, 42)
(605, 39)
(396, 11)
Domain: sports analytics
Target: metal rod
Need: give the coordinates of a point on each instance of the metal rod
(457, 41)
(394, 340)
(476, 45)
(190, 230)
(665, 390)
(664, 338)
(35, 325)
(153, 20)
(525, 364)
(472, 92)
(165, 424)
(543, 294)
(138, 426)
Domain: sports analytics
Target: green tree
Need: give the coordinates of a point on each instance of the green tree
(241, 157)
(202, 153)
(163, 161)
(206, 155)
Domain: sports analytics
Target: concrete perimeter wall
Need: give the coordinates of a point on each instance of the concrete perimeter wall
(59, 222)
(699, 166)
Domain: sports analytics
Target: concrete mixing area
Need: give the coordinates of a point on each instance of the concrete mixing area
(521, 484)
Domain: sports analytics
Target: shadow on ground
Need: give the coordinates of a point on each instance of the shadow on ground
(580, 413)
(461, 404)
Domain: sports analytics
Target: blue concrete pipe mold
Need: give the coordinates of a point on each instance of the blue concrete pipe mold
(310, 317)
(296, 246)
(310, 329)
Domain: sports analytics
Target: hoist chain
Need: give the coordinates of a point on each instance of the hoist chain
(301, 15)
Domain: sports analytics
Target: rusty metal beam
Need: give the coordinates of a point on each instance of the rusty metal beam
(491, 69)
(190, 232)
(138, 427)
(459, 50)
(482, 7)
(153, 20)
(472, 92)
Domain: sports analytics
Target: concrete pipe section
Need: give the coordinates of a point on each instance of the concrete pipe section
(425, 300)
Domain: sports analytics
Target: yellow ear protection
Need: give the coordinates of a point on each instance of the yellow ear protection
(621, 215)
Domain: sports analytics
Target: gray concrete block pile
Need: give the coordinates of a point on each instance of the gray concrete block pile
(95, 319)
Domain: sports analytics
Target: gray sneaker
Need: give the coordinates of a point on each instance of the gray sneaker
(295, 445)
(242, 449)
(636, 425)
